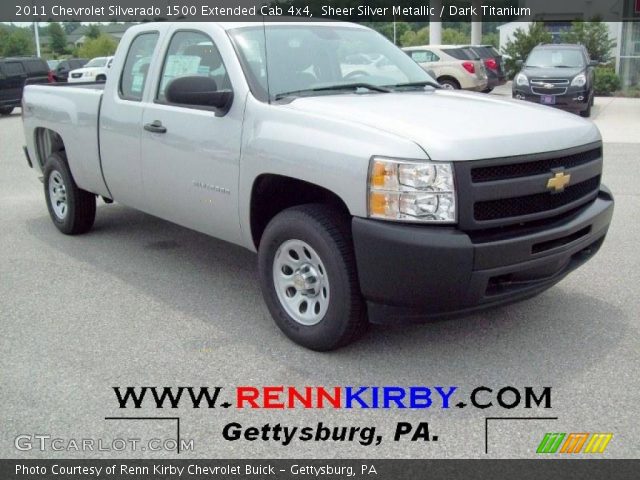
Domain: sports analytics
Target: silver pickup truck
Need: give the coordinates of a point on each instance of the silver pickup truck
(369, 193)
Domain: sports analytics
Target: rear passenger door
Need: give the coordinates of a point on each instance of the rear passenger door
(190, 153)
(121, 120)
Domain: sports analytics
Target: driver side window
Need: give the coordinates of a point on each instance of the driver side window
(192, 54)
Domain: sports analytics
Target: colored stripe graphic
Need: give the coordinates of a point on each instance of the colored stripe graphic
(598, 442)
(574, 442)
(550, 443)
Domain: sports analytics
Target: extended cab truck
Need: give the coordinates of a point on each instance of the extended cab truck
(369, 195)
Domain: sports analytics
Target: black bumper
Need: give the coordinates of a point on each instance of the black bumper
(413, 273)
(572, 101)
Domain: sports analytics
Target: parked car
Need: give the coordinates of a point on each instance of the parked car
(15, 72)
(94, 71)
(455, 67)
(61, 72)
(366, 198)
(493, 63)
(558, 75)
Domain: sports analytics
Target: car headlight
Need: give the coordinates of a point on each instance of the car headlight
(522, 80)
(411, 191)
(579, 80)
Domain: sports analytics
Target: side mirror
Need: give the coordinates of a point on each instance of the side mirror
(519, 63)
(198, 91)
(594, 63)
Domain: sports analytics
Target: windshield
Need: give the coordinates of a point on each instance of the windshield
(97, 62)
(551, 57)
(279, 59)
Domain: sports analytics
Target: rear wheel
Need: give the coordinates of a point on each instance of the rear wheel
(6, 110)
(449, 84)
(308, 277)
(101, 78)
(71, 209)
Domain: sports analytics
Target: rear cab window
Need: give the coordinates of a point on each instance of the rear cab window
(136, 66)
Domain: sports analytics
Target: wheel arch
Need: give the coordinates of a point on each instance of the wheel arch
(273, 193)
(46, 142)
(449, 78)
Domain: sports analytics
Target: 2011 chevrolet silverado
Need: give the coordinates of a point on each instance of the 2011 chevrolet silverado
(369, 194)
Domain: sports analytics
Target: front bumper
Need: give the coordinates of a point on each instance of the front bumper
(413, 273)
(577, 101)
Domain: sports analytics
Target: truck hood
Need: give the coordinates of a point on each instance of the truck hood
(453, 125)
(564, 73)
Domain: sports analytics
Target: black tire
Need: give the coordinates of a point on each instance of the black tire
(6, 110)
(449, 82)
(328, 232)
(487, 90)
(80, 211)
(101, 78)
(586, 113)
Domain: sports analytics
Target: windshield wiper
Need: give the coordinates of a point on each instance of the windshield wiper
(342, 86)
(425, 83)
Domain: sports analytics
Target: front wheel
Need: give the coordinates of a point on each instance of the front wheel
(587, 112)
(71, 209)
(308, 277)
(6, 110)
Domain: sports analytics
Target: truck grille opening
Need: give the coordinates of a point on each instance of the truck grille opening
(536, 203)
(559, 242)
(525, 169)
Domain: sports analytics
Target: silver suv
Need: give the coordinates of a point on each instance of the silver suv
(453, 66)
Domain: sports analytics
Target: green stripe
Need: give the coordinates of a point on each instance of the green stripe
(550, 443)
(543, 443)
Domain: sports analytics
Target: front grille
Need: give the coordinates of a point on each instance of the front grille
(529, 204)
(560, 85)
(512, 192)
(553, 81)
(549, 91)
(525, 169)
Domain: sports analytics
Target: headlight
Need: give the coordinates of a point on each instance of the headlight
(522, 80)
(409, 191)
(579, 80)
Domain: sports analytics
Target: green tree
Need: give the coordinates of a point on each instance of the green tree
(523, 42)
(594, 35)
(411, 38)
(454, 36)
(93, 31)
(17, 43)
(58, 38)
(69, 27)
(491, 38)
(386, 29)
(102, 46)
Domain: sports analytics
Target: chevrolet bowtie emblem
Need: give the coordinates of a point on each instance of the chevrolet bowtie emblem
(558, 182)
(549, 86)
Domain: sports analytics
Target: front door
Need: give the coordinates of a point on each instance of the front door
(190, 154)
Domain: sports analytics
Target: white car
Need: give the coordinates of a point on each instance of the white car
(94, 71)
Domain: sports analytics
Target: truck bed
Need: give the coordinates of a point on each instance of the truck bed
(72, 111)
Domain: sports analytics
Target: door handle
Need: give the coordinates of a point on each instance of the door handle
(155, 127)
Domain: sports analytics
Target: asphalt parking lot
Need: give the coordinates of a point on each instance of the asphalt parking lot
(139, 301)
